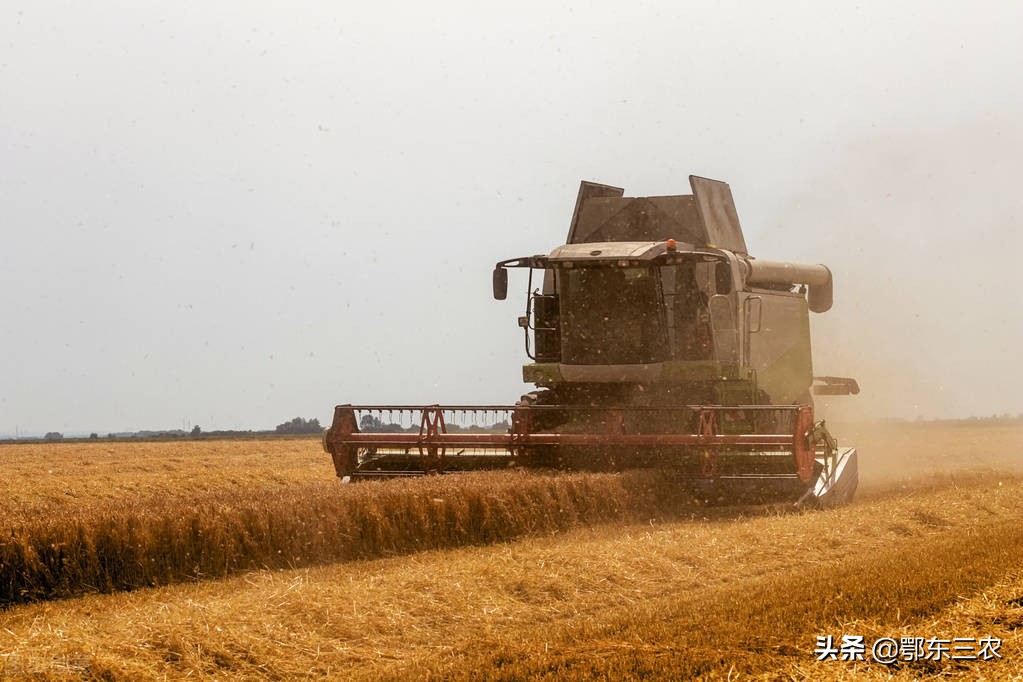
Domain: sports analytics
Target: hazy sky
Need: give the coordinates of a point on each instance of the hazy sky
(232, 214)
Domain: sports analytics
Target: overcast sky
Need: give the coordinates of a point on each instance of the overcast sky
(233, 214)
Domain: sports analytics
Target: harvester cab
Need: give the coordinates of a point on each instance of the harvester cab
(655, 340)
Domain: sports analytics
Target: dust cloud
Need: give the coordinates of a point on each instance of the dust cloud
(922, 230)
(908, 457)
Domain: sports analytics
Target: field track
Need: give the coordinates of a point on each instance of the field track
(932, 547)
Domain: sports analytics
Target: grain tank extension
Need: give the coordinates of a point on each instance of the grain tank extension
(655, 339)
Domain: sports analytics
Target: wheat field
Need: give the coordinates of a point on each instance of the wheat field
(576, 576)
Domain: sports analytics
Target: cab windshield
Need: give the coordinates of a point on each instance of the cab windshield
(612, 316)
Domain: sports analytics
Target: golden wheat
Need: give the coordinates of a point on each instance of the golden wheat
(74, 475)
(699, 597)
(938, 518)
(87, 517)
(145, 541)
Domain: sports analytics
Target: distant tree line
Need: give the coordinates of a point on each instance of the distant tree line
(298, 426)
(370, 423)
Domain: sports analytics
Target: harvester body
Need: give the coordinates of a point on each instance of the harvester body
(655, 340)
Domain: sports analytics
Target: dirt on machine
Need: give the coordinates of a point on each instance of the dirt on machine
(655, 340)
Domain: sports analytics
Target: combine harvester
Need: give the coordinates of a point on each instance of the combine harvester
(656, 340)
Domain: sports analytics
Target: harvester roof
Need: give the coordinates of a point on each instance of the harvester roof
(707, 217)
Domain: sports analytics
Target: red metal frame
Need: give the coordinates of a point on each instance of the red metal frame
(708, 429)
(343, 439)
(431, 442)
(802, 443)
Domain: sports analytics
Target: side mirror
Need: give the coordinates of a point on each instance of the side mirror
(500, 283)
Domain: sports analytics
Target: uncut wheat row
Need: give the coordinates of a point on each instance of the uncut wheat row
(149, 541)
